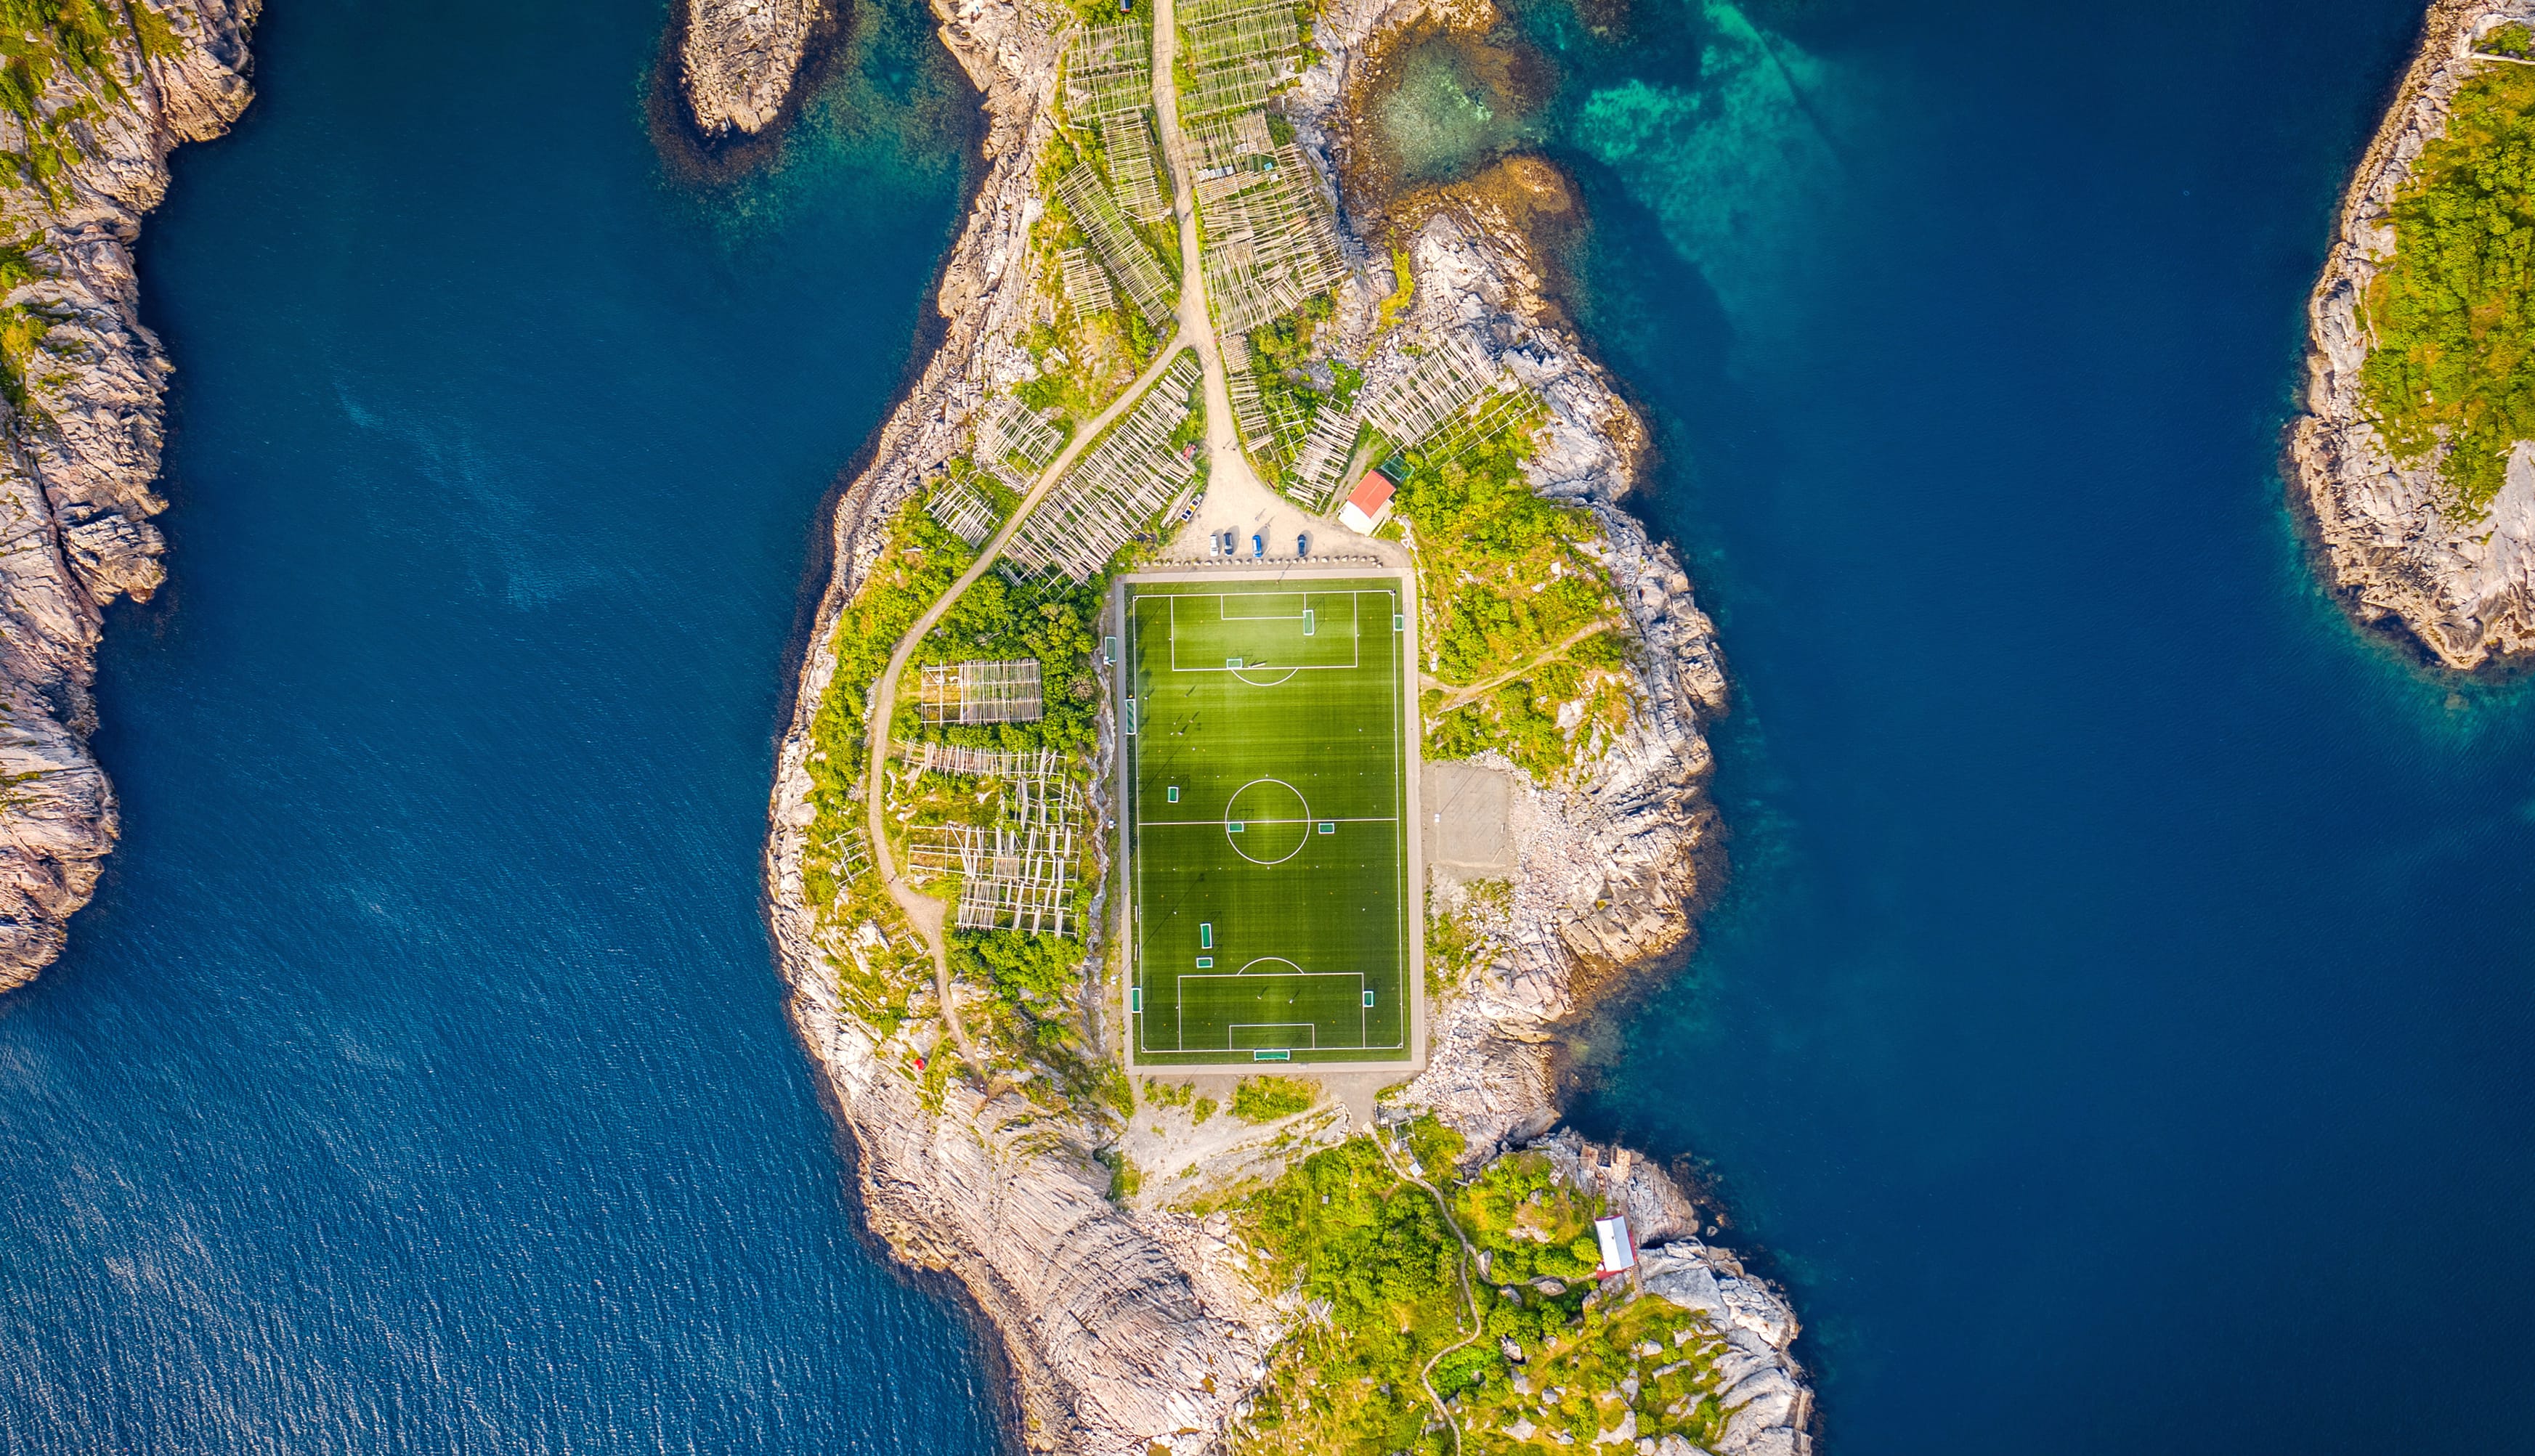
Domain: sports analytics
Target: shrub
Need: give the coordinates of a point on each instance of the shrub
(1265, 1099)
(2454, 312)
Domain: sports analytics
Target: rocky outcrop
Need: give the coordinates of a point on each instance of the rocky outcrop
(1132, 1327)
(737, 60)
(82, 442)
(2464, 589)
(1613, 865)
(1759, 1382)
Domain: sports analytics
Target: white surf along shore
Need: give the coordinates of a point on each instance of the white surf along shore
(1144, 1322)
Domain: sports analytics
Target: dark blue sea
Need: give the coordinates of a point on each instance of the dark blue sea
(2117, 1027)
(2113, 1030)
(419, 1080)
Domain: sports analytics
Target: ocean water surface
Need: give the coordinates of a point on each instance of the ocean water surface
(419, 1079)
(2116, 1028)
(2114, 1031)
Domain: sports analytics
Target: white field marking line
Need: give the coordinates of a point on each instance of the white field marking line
(1355, 636)
(1128, 656)
(1179, 1004)
(1223, 605)
(1230, 1033)
(1235, 798)
(1363, 1027)
(1218, 823)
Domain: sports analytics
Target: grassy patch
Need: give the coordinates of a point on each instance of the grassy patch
(80, 43)
(1403, 276)
(1265, 1099)
(1508, 580)
(1468, 936)
(1557, 1363)
(1380, 1272)
(1548, 721)
(2452, 374)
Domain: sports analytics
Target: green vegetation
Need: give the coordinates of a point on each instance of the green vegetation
(1374, 1252)
(1125, 1177)
(878, 960)
(42, 42)
(1403, 276)
(2452, 374)
(1085, 358)
(1507, 579)
(1381, 1273)
(1265, 1099)
(1048, 619)
(1282, 356)
(24, 327)
(1267, 855)
(1034, 979)
(2509, 41)
(1468, 936)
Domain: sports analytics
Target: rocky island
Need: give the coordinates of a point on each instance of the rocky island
(1163, 329)
(97, 96)
(2415, 458)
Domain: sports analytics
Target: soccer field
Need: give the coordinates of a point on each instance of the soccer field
(1265, 780)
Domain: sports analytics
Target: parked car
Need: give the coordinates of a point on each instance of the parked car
(1258, 547)
(1303, 544)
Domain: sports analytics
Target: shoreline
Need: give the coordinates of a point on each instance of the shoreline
(2460, 596)
(1114, 1316)
(85, 420)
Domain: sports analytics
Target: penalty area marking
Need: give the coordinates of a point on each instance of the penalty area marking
(1237, 666)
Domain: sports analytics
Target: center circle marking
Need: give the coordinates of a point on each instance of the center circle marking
(1269, 812)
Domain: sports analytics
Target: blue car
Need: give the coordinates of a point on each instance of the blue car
(1303, 544)
(1258, 547)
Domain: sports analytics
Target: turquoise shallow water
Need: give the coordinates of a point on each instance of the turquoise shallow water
(419, 1079)
(2116, 1028)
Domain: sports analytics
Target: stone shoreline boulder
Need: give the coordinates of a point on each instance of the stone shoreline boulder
(79, 457)
(2463, 590)
(738, 59)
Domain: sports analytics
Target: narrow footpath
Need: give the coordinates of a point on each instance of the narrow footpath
(929, 915)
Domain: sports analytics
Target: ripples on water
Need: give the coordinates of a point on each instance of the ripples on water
(2126, 981)
(419, 1079)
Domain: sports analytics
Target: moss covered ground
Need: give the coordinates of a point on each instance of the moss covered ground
(1508, 579)
(1540, 1360)
(2453, 373)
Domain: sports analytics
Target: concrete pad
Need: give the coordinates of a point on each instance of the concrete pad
(1471, 812)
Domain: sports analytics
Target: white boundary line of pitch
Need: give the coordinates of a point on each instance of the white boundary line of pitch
(1355, 632)
(1412, 850)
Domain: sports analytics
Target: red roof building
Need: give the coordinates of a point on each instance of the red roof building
(1370, 502)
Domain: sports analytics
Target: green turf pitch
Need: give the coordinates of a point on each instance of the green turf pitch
(1276, 713)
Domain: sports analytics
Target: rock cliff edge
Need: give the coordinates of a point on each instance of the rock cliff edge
(1134, 1322)
(85, 386)
(2464, 589)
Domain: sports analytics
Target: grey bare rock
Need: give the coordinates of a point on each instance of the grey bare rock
(2464, 589)
(739, 59)
(1134, 1326)
(78, 461)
